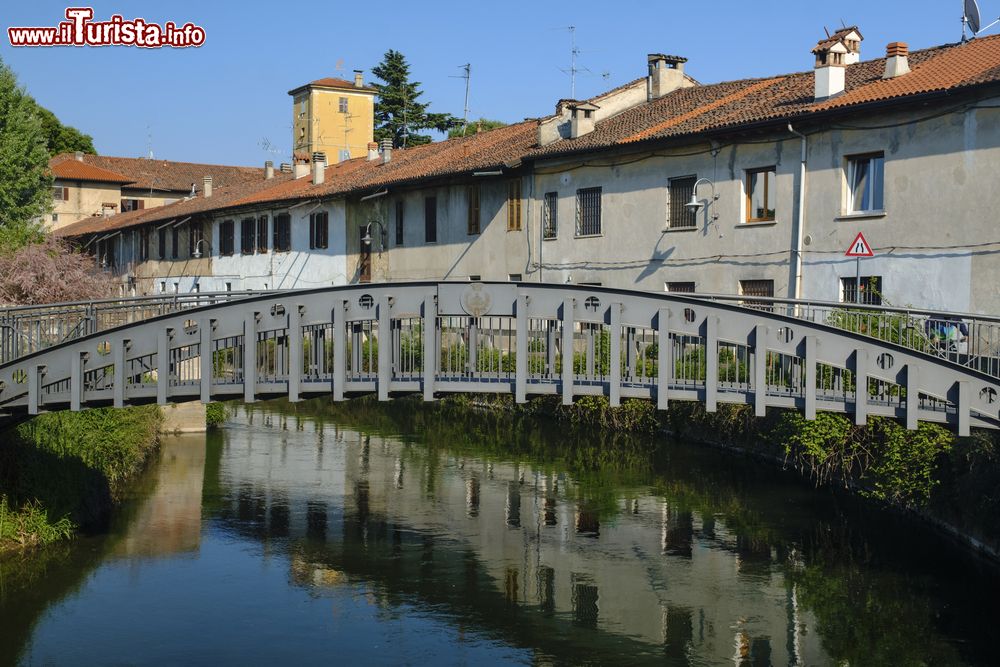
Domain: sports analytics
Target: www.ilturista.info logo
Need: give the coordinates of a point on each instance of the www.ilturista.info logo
(80, 30)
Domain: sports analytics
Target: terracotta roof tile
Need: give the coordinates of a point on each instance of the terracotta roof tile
(74, 170)
(331, 82)
(165, 175)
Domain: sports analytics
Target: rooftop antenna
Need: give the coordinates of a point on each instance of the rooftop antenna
(973, 19)
(467, 68)
(149, 142)
(573, 69)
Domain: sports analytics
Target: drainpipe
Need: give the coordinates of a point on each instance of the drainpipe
(800, 217)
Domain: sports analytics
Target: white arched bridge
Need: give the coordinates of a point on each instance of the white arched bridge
(434, 338)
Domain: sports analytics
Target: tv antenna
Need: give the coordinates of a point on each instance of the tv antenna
(467, 68)
(573, 69)
(972, 19)
(149, 142)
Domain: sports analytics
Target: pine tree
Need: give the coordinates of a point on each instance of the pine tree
(399, 115)
(25, 181)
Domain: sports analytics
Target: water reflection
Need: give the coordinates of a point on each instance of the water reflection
(486, 539)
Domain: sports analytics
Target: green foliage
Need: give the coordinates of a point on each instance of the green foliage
(61, 138)
(76, 465)
(25, 181)
(399, 115)
(475, 127)
(216, 414)
(29, 525)
(905, 462)
(631, 416)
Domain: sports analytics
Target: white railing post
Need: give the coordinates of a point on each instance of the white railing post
(521, 350)
(711, 363)
(567, 352)
(162, 365)
(119, 373)
(810, 380)
(760, 371)
(384, 347)
(964, 408)
(430, 346)
(664, 364)
(205, 352)
(76, 382)
(295, 360)
(250, 357)
(339, 348)
(860, 387)
(33, 372)
(615, 356)
(912, 397)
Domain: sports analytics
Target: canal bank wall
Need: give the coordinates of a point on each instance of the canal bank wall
(64, 472)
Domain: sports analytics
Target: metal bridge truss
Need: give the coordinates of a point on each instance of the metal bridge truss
(524, 339)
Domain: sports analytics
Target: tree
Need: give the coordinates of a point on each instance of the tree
(475, 127)
(49, 271)
(61, 138)
(25, 181)
(399, 114)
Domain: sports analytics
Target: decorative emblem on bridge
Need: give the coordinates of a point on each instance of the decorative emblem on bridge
(988, 394)
(885, 361)
(366, 301)
(592, 303)
(476, 301)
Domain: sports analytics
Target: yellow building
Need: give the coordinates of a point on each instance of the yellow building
(333, 116)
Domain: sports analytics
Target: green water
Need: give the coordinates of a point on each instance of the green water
(367, 534)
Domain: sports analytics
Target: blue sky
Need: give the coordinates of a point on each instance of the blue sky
(219, 103)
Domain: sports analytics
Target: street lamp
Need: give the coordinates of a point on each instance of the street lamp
(695, 205)
(367, 238)
(195, 252)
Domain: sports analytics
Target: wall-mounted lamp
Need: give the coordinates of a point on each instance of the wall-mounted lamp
(383, 235)
(695, 205)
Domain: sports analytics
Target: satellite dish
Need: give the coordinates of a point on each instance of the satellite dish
(972, 17)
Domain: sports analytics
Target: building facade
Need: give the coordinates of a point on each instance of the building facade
(333, 116)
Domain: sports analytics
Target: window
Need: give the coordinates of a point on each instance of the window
(763, 288)
(550, 217)
(132, 205)
(342, 105)
(319, 230)
(514, 206)
(262, 234)
(143, 244)
(226, 243)
(282, 233)
(59, 193)
(475, 278)
(248, 233)
(55, 217)
(473, 224)
(399, 223)
(865, 178)
(162, 243)
(871, 290)
(430, 220)
(163, 287)
(679, 191)
(680, 288)
(588, 212)
(175, 234)
(195, 238)
(514, 277)
(760, 194)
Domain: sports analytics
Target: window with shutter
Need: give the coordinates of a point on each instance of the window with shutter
(430, 220)
(248, 232)
(399, 223)
(262, 234)
(226, 240)
(679, 191)
(514, 205)
(319, 230)
(282, 233)
(473, 222)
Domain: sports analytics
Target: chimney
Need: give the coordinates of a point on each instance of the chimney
(206, 190)
(318, 168)
(359, 81)
(386, 150)
(582, 120)
(268, 169)
(300, 168)
(372, 151)
(666, 74)
(285, 168)
(830, 69)
(79, 156)
(897, 61)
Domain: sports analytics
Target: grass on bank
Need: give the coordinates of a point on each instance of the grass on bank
(63, 471)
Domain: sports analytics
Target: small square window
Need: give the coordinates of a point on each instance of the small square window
(760, 194)
(342, 105)
(679, 287)
(870, 294)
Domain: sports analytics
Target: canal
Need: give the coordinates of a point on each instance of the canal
(320, 534)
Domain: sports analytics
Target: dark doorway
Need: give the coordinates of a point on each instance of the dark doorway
(365, 262)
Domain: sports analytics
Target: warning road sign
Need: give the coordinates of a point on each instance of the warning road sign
(859, 247)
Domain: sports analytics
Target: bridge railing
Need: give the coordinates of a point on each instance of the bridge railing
(968, 339)
(28, 329)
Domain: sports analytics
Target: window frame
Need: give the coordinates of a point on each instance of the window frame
(770, 174)
(550, 216)
(227, 238)
(319, 230)
(282, 233)
(680, 287)
(248, 241)
(161, 245)
(514, 205)
(584, 199)
(342, 105)
(851, 163)
(262, 234)
(672, 184)
(848, 285)
(474, 222)
(430, 219)
(400, 212)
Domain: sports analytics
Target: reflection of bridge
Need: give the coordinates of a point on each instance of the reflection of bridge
(524, 339)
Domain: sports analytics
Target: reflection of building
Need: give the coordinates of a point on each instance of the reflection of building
(656, 573)
(168, 521)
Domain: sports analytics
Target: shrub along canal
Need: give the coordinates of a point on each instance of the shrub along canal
(399, 533)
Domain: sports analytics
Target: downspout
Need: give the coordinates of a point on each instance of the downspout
(799, 217)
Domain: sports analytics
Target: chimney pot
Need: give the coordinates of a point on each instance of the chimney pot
(359, 80)
(268, 169)
(300, 167)
(386, 150)
(285, 168)
(207, 187)
(372, 151)
(897, 62)
(79, 156)
(666, 74)
(318, 168)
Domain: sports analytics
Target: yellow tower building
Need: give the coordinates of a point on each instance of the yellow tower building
(333, 116)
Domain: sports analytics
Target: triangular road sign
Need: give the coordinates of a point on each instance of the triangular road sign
(859, 247)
